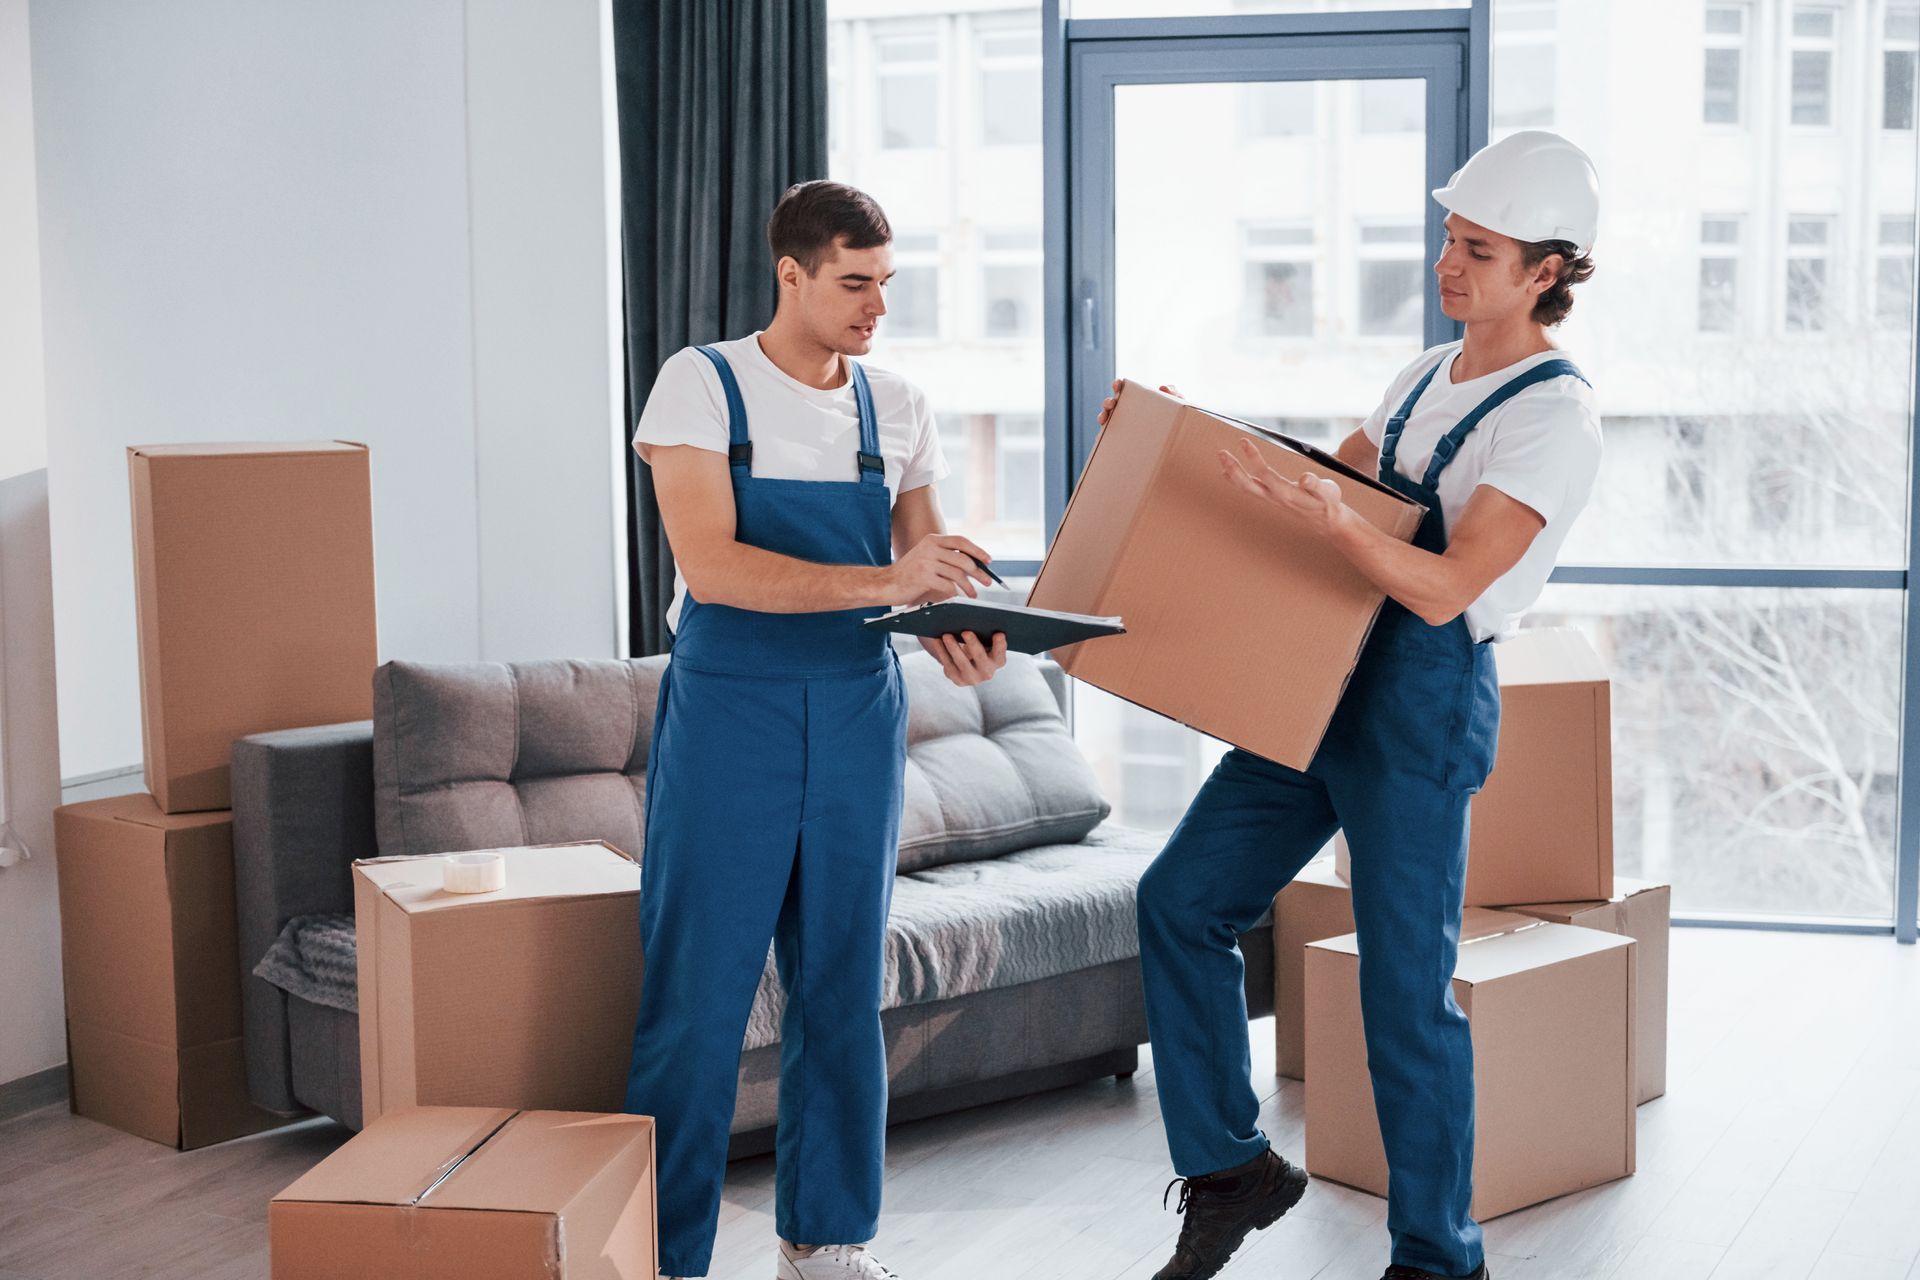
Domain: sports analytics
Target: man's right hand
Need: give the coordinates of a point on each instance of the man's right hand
(938, 567)
(1106, 406)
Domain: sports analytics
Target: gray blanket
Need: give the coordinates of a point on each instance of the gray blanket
(954, 930)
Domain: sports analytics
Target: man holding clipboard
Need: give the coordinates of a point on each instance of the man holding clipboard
(789, 478)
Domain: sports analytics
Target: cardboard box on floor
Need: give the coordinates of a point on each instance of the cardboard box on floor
(1239, 622)
(475, 1193)
(152, 971)
(253, 591)
(522, 997)
(1643, 911)
(1316, 905)
(1543, 825)
(1550, 1009)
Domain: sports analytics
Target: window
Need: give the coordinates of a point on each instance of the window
(913, 296)
(1278, 301)
(1809, 272)
(1009, 86)
(1898, 61)
(1523, 65)
(1393, 275)
(1726, 54)
(1010, 283)
(839, 105)
(1815, 32)
(1719, 273)
(1893, 273)
(908, 61)
(956, 443)
(1393, 106)
(1277, 108)
(1020, 458)
(1687, 459)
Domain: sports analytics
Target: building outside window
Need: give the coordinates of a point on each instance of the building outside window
(1278, 299)
(1393, 106)
(1278, 108)
(1393, 279)
(1893, 273)
(1719, 273)
(1814, 40)
(1010, 283)
(1525, 65)
(1898, 64)
(1009, 65)
(1019, 453)
(1809, 272)
(913, 296)
(907, 61)
(1723, 77)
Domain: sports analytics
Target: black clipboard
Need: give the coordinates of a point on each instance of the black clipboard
(1028, 630)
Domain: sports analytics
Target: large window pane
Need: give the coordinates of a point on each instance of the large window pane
(941, 104)
(1754, 738)
(1197, 8)
(1752, 278)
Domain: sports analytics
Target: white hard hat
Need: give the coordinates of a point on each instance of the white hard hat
(1532, 185)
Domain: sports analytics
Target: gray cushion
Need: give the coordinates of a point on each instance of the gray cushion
(990, 769)
(478, 755)
(481, 755)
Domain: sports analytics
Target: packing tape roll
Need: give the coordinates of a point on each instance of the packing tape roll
(474, 872)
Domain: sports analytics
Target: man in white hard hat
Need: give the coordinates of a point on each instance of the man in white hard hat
(1498, 436)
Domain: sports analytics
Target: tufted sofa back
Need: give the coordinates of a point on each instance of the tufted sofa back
(485, 755)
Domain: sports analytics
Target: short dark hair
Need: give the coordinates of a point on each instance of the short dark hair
(814, 216)
(1556, 303)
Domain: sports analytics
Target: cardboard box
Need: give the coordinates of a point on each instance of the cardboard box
(152, 971)
(523, 997)
(1543, 825)
(1240, 623)
(1643, 911)
(253, 590)
(473, 1193)
(1550, 1008)
(1316, 905)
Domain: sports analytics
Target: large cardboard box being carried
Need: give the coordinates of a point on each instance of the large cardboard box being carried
(253, 590)
(1240, 622)
(1316, 905)
(473, 1193)
(1543, 825)
(521, 997)
(1551, 1012)
(152, 971)
(1641, 910)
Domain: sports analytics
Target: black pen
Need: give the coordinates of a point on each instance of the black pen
(984, 568)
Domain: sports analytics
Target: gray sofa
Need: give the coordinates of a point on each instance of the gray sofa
(1012, 956)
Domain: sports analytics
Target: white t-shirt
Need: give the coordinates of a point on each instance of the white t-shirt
(798, 432)
(1542, 448)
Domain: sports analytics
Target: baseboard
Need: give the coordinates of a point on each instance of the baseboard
(30, 1093)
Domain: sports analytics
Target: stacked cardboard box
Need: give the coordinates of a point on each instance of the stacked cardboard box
(475, 1193)
(253, 589)
(523, 996)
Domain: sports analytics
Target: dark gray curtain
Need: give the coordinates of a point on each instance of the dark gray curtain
(722, 105)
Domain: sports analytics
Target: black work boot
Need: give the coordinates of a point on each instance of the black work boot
(1223, 1207)
(1398, 1272)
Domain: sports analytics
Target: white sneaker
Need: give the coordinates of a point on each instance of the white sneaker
(832, 1262)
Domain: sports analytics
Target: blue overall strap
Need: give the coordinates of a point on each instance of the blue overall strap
(873, 467)
(1390, 438)
(1450, 443)
(739, 443)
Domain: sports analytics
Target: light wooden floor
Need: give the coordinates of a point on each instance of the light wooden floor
(1788, 1146)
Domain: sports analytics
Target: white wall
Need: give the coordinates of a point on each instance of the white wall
(380, 222)
(389, 223)
(30, 1005)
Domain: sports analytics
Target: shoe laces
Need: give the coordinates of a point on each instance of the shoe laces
(855, 1260)
(1186, 1194)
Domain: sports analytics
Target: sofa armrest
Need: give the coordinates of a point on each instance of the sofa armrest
(302, 812)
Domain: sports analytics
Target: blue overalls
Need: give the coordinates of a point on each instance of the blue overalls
(1410, 743)
(773, 813)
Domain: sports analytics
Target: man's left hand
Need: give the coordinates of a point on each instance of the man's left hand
(1314, 499)
(965, 660)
